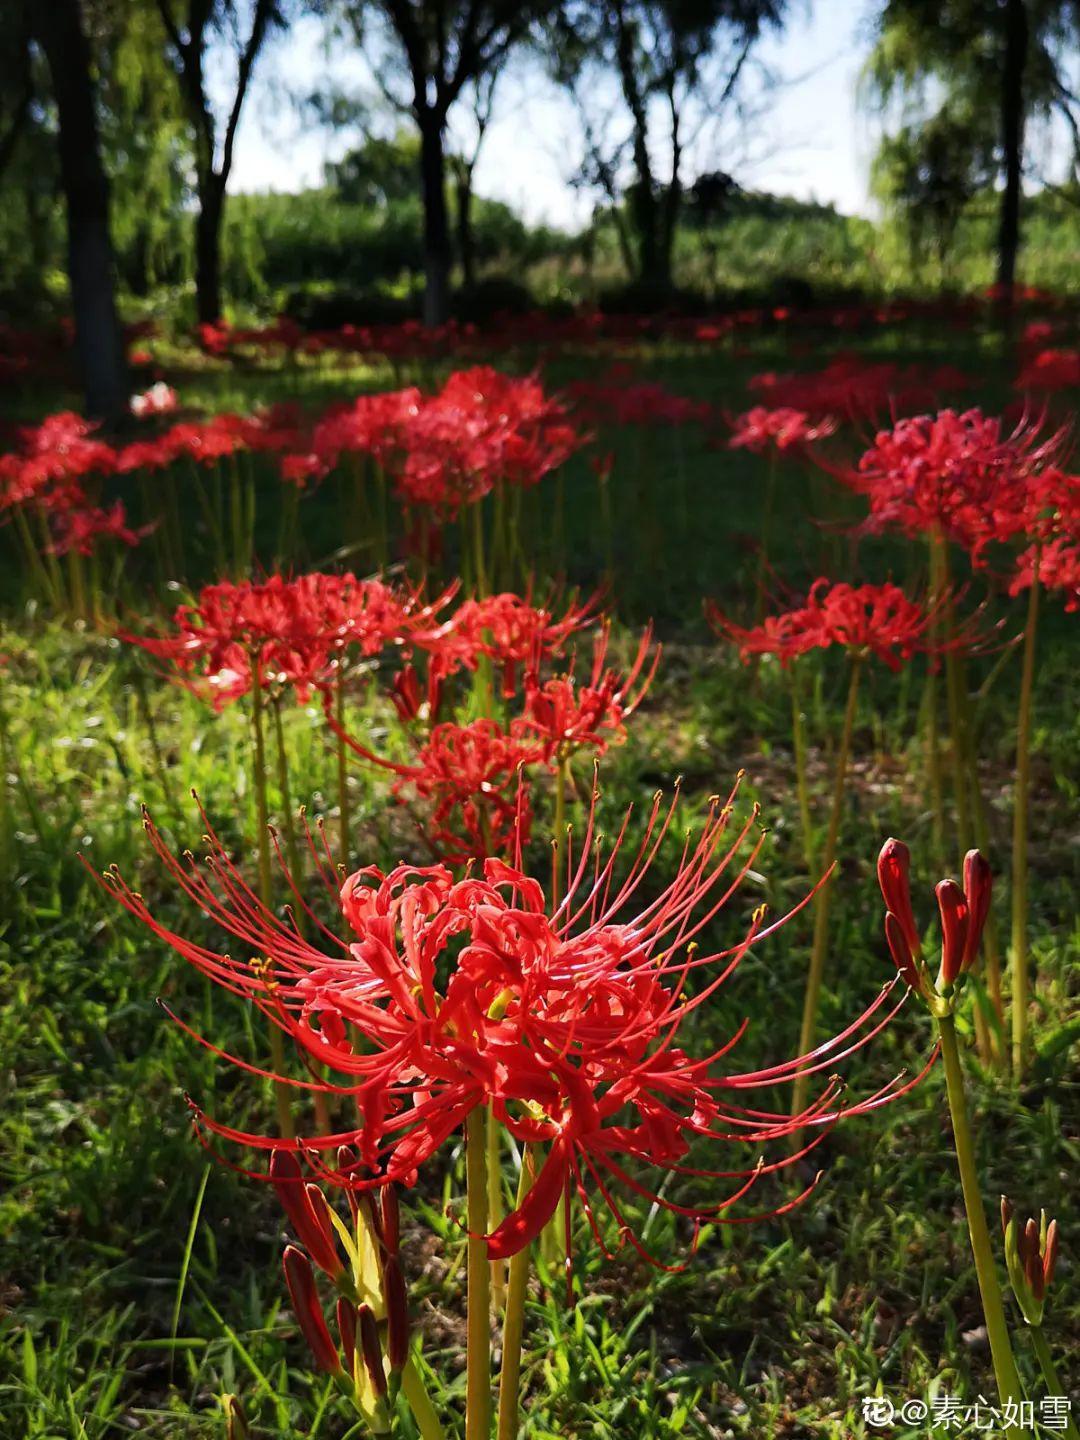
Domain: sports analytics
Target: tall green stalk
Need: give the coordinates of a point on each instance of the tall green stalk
(514, 1321)
(821, 913)
(1050, 1374)
(1020, 967)
(342, 768)
(798, 736)
(478, 1342)
(262, 816)
(1005, 1372)
(496, 1209)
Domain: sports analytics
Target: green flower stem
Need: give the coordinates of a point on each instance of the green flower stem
(821, 913)
(514, 1322)
(496, 1209)
(415, 1392)
(342, 768)
(1050, 1375)
(478, 1349)
(262, 820)
(798, 734)
(1020, 977)
(478, 549)
(1008, 1381)
(552, 1241)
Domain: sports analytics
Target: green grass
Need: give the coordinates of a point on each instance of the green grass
(131, 1297)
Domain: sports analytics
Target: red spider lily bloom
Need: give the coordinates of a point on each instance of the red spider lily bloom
(79, 527)
(1051, 370)
(786, 429)
(282, 632)
(446, 994)
(1057, 565)
(567, 716)
(849, 386)
(618, 400)
(958, 474)
(468, 777)
(865, 619)
(507, 628)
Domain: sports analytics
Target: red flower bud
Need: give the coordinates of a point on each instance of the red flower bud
(391, 1218)
(893, 869)
(898, 949)
(300, 1279)
(397, 1313)
(954, 929)
(1006, 1213)
(1050, 1254)
(313, 1227)
(371, 1349)
(978, 884)
(346, 1323)
(1033, 1264)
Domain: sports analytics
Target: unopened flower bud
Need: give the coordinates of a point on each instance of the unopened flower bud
(391, 1218)
(954, 930)
(978, 886)
(313, 1226)
(346, 1322)
(236, 1424)
(371, 1349)
(300, 1278)
(894, 870)
(397, 1313)
(900, 951)
(1030, 1256)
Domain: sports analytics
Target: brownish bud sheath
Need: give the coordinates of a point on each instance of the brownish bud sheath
(397, 1313)
(894, 870)
(954, 929)
(300, 1278)
(1006, 1213)
(346, 1163)
(312, 1229)
(346, 1323)
(391, 1218)
(901, 954)
(1033, 1265)
(978, 887)
(371, 1349)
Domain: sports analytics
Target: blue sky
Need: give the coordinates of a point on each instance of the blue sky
(810, 140)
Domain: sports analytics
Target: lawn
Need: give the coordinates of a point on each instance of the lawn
(140, 1274)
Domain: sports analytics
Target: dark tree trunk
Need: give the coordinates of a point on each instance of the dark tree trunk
(1012, 144)
(466, 245)
(208, 250)
(98, 340)
(436, 221)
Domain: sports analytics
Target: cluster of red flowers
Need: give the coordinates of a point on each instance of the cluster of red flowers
(878, 620)
(762, 429)
(445, 995)
(849, 387)
(1046, 371)
(619, 399)
(285, 632)
(48, 474)
(468, 774)
(450, 449)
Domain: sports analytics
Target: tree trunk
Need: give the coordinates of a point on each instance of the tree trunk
(98, 341)
(208, 250)
(466, 246)
(1012, 144)
(436, 221)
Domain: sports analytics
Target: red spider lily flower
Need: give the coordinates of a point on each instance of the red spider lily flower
(467, 775)
(618, 400)
(786, 429)
(1031, 1252)
(878, 620)
(300, 1279)
(963, 914)
(281, 632)
(957, 474)
(567, 716)
(850, 387)
(447, 994)
(80, 528)
(1057, 566)
(510, 630)
(1050, 370)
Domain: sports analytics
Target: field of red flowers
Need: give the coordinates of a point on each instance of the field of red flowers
(539, 880)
